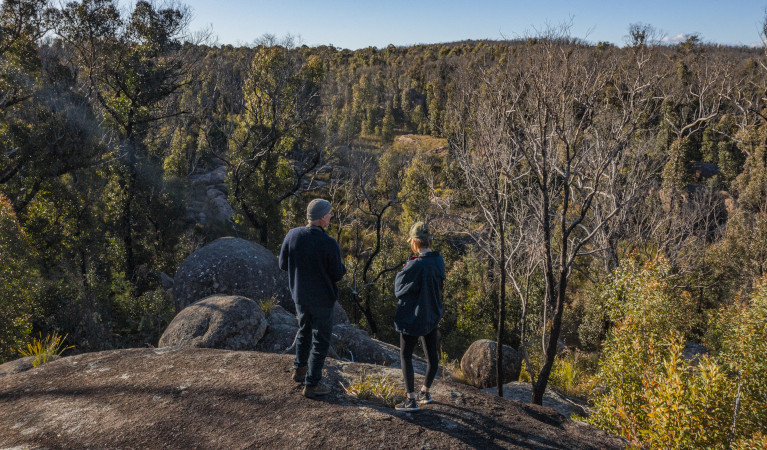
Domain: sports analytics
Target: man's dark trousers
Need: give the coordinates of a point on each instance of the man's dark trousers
(315, 328)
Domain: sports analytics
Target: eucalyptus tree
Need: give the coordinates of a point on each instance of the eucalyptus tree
(31, 109)
(276, 141)
(130, 68)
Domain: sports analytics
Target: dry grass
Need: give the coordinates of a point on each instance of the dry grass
(378, 387)
(572, 373)
(413, 142)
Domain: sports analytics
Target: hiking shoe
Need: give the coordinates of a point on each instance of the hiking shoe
(299, 374)
(424, 397)
(409, 404)
(317, 390)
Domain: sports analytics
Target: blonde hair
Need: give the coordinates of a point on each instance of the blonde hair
(422, 242)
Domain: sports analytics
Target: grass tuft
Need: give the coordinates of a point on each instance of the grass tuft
(377, 387)
(571, 374)
(45, 349)
(267, 305)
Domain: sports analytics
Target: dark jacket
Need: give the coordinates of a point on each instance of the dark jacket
(313, 262)
(418, 288)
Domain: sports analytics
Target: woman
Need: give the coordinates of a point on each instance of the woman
(418, 288)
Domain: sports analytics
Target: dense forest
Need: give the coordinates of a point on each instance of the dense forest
(600, 208)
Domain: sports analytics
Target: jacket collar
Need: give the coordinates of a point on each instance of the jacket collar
(429, 254)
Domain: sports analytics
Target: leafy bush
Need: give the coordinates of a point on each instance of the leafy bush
(653, 396)
(571, 374)
(739, 341)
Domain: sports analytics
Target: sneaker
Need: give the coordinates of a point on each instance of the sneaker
(424, 397)
(317, 390)
(299, 374)
(409, 404)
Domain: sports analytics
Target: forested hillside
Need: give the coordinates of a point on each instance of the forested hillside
(599, 208)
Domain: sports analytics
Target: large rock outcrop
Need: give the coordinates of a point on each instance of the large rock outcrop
(339, 315)
(230, 266)
(281, 331)
(205, 398)
(283, 326)
(278, 339)
(220, 321)
(479, 368)
(207, 199)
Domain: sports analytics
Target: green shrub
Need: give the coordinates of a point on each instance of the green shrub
(657, 399)
(571, 374)
(739, 342)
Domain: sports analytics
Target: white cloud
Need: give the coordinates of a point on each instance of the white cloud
(681, 37)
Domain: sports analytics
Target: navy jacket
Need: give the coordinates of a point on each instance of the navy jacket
(313, 262)
(418, 288)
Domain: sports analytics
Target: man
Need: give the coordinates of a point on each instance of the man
(313, 262)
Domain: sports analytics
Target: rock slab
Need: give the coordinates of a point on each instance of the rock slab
(220, 321)
(182, 398)
(20, 365)
(354, 344)
(522, 392)
(281, 331)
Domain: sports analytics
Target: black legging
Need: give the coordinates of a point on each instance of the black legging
(430, 344)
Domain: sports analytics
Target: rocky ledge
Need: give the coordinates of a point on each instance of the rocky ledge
(208, 398)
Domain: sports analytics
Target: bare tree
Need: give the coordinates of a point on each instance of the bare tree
(374, 202)
(562, 122)
(487, 163)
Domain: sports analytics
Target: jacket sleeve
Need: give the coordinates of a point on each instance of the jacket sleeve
(336, 264)
(283, 261)
(406, 282)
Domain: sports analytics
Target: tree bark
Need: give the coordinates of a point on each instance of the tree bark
(501, 303)
(130, 193)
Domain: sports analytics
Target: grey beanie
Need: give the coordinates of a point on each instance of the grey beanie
(317, 209)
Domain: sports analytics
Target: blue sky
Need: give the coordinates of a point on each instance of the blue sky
(357, 24)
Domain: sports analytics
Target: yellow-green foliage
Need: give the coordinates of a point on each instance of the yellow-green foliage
(267, 305)
(641, 293)
(757, 441)
(415, 182)
(570, 374)
(45, 349)
(656, 398)
(740, 340)
(378, 387)
(444, 360)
